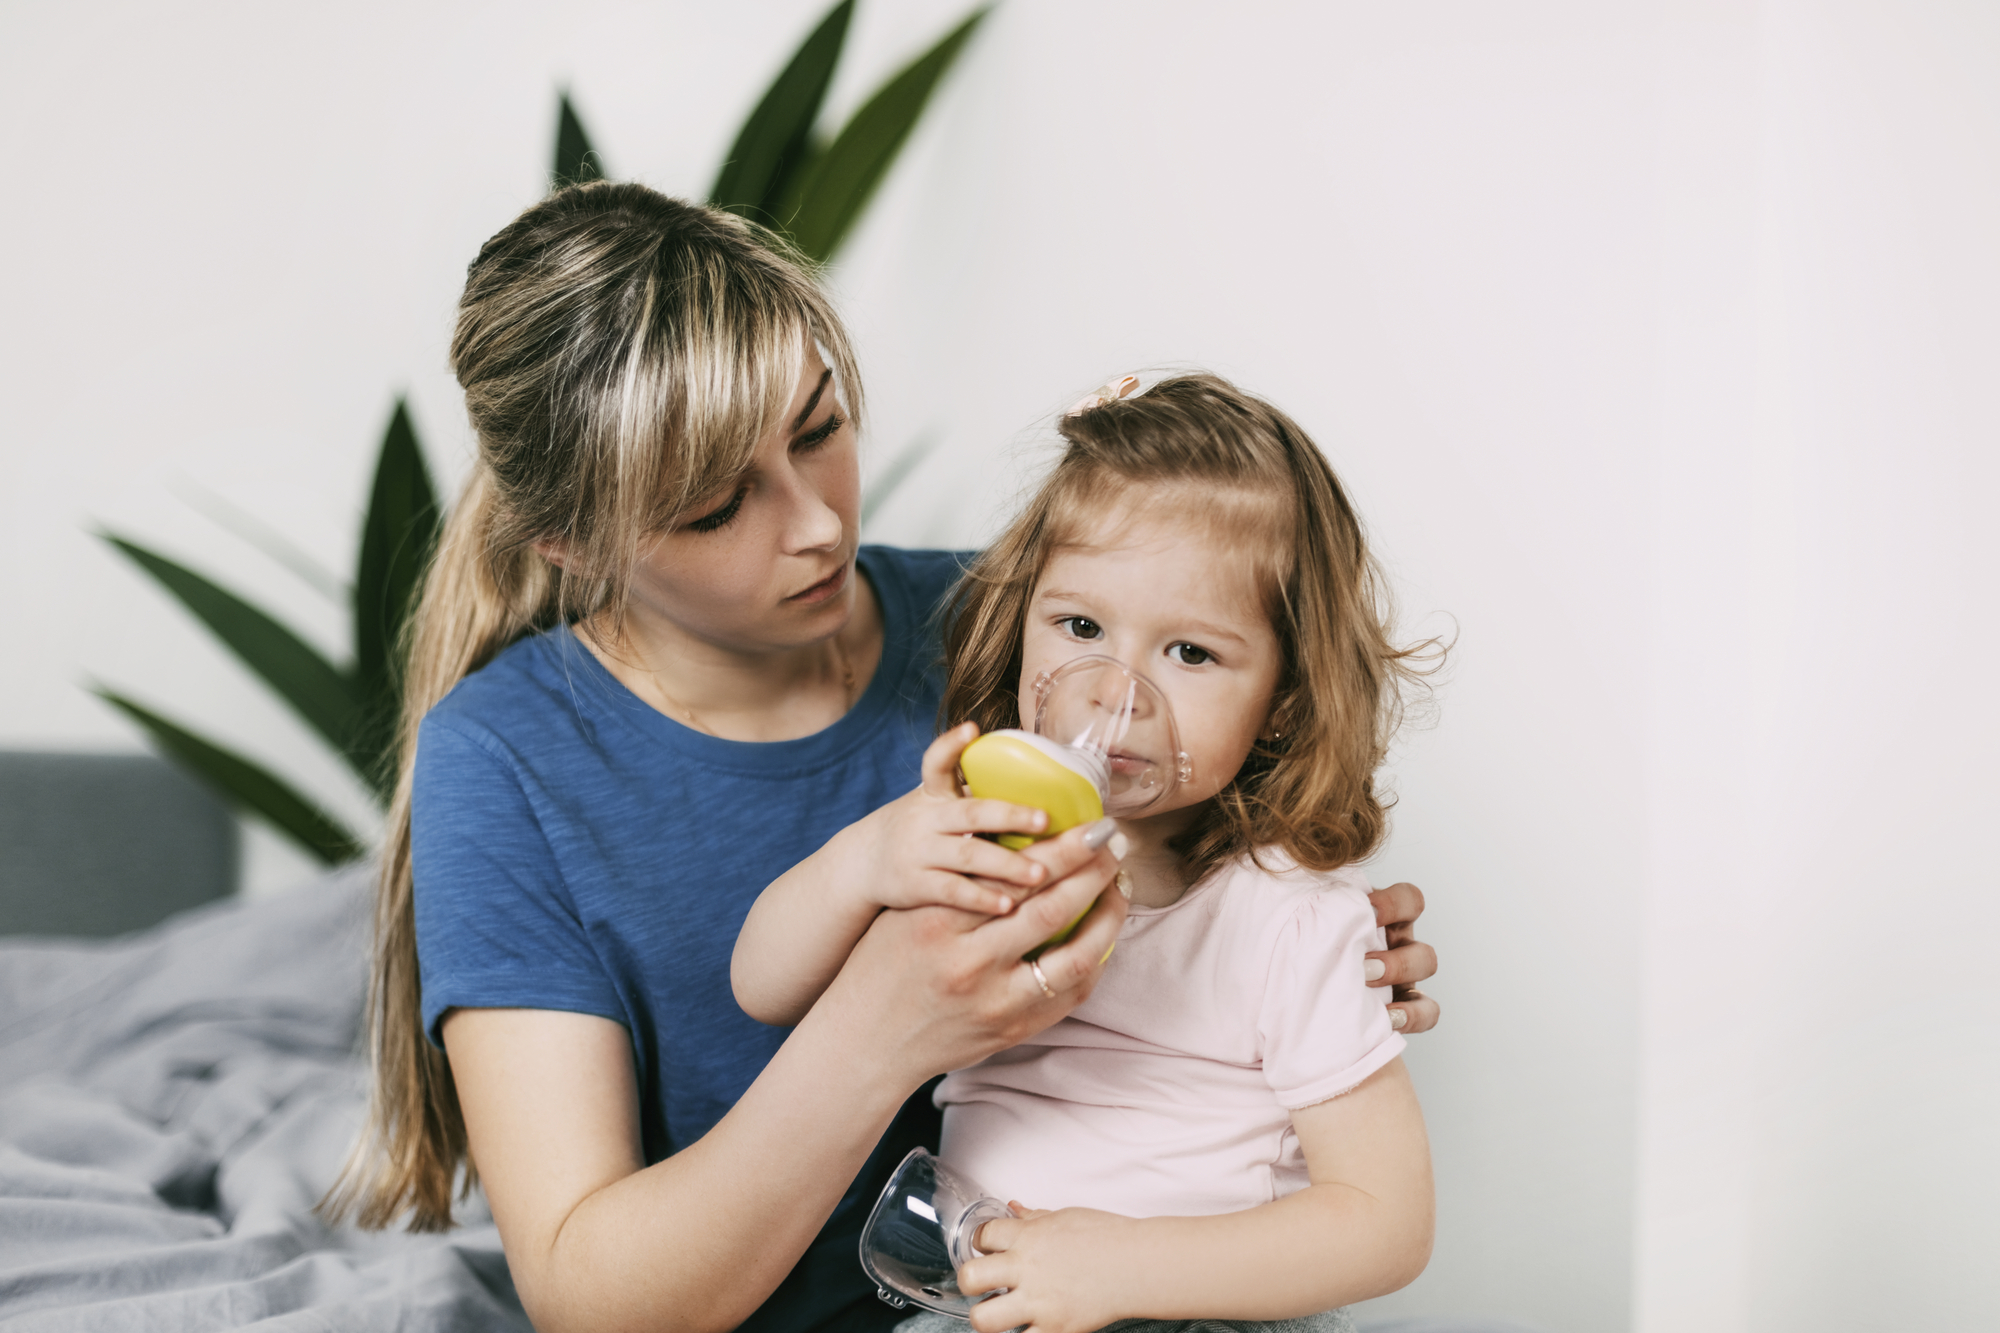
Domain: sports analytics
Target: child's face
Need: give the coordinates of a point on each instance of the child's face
(1182, 609)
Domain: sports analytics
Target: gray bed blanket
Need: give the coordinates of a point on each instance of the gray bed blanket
(173, 1103)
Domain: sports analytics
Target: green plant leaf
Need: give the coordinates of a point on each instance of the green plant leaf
(890, 478)
(397, 538)
(776, 142)
(245, 784)
(313, 686)
(826, 201)
(576, 160)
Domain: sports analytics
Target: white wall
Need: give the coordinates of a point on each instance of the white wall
(1654, 338)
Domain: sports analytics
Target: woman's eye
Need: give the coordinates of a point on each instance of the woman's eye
(1081, 627)
(1188, 655)
(709, 522)
(818, 435)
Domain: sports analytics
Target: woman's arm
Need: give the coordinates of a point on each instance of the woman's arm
(912, 852)
(1361, 1229)
(597, 1240)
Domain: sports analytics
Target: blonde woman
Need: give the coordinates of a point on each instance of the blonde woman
(653, 669)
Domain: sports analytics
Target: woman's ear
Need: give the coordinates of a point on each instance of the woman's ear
(554, 550)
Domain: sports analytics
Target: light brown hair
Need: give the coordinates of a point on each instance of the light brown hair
(621, 353)
(1197, 446)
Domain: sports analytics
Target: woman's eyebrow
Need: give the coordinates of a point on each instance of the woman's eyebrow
(799, 423)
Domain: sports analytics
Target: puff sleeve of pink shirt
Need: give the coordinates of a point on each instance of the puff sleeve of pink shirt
(1168, 1092)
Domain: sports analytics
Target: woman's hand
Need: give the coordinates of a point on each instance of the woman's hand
(940, 988)
(1061, 1270)
(919, 851)
(1406, 961)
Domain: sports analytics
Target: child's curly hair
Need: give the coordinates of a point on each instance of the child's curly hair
(1218, 457)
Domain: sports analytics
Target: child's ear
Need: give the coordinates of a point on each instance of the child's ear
(554, 550)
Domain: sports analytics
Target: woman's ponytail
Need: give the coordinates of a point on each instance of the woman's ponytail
(621, 353)
(475, 601)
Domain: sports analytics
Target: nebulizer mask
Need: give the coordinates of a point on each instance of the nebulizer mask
(1104, 743)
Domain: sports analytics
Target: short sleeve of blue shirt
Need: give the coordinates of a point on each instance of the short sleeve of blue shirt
(575, 849)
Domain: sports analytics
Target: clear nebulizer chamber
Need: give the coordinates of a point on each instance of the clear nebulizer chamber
(922, 1232)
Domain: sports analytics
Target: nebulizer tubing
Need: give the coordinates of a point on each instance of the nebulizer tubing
(1104, 742)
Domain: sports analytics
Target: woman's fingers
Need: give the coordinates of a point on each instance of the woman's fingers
(941, 759)
(1418, 1011)
(1397, 905)
(1404, 965)
(1073, 967)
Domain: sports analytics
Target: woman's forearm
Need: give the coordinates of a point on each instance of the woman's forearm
(696, 1242)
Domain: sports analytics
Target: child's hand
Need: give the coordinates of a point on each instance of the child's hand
(1061, 1271)
(920, 852)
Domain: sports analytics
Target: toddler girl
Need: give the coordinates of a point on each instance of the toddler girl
(1224, 1128)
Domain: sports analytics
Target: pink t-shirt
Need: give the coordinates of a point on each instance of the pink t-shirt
(1167, 1092)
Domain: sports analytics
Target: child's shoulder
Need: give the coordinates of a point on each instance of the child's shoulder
(1271, 885)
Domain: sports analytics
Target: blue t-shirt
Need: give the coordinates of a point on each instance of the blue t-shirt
(575, 849)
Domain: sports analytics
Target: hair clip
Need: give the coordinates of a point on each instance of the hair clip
(1119, 388)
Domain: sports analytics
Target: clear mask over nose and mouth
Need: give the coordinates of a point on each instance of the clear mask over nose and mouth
(1104, 743)
(1115, 722)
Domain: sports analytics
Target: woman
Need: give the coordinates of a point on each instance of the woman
(651, 670)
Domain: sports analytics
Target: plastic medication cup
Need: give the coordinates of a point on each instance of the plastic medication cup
(921, 1233)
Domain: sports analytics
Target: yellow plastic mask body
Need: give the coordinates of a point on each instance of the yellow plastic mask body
(1027, 769)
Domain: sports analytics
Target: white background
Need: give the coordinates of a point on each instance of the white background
(1657, 341)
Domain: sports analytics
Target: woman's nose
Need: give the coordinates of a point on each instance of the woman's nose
(815, 525)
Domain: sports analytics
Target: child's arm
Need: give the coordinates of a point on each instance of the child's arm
(1361, 1229)
(912, 852)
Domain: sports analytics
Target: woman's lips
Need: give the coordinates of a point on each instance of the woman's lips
(825, 588)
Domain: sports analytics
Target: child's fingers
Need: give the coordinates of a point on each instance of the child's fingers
(941, 759)
(945, 889)
(972, 815)
(989, 860)
(997, 1236)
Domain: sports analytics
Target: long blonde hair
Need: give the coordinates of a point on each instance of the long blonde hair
(1236, 464)
(621, 353)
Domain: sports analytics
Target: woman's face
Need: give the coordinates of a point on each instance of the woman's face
(1182, 609)
(767, 564)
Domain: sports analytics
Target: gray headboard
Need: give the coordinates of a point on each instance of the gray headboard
(99, 844)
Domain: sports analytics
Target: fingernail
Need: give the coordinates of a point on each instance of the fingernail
(1119, 846)
(1099, 833)
(1373, 969)
(1124, 882)
(1398, 1019)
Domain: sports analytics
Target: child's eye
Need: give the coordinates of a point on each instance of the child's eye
(1082, 627)
(709, 522)
(1188, 654)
